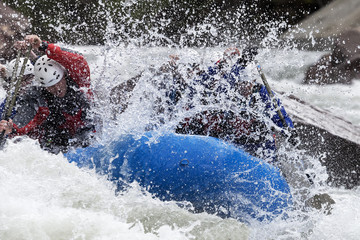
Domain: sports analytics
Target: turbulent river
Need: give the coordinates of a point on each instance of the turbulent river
(45, 197)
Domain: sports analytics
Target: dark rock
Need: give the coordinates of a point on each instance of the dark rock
(331, 139)
(321, 202)
(340, 66)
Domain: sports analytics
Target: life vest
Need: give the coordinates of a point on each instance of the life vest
(53, 120)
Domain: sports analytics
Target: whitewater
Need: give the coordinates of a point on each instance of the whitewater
(45, 197)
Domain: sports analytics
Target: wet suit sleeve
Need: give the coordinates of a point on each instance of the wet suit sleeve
(2, 109)
(30, 115)
(75, 64)
(32, 125)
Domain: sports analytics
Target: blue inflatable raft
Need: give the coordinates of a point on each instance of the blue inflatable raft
(214, 176)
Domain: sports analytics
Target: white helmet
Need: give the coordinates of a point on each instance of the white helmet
(48, 72)
(29, 68)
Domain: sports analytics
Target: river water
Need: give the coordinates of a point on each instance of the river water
(45, 197)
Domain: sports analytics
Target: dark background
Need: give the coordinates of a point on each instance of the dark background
(161, 22)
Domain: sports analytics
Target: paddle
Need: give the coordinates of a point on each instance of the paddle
(292, 134)
(11, 98)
